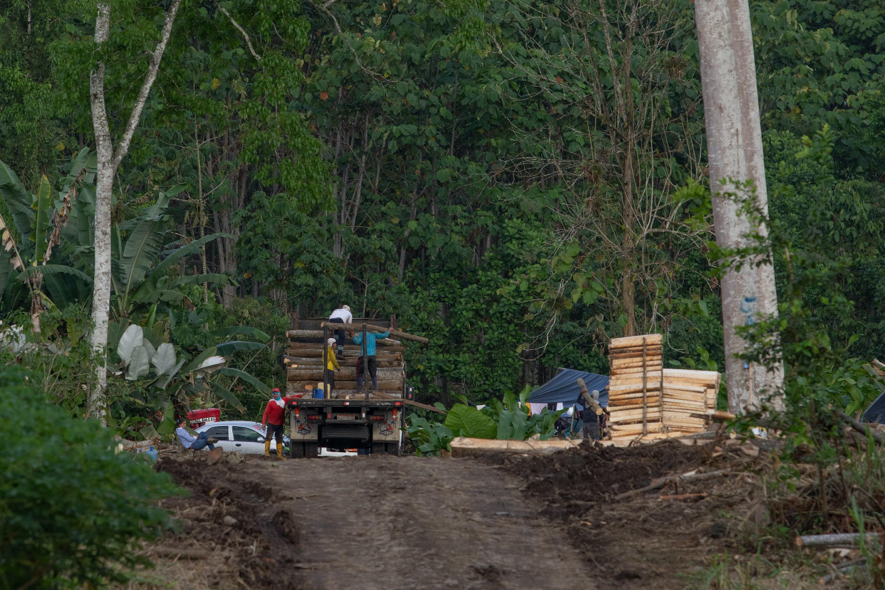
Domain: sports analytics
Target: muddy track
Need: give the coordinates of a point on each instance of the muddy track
(386, 522)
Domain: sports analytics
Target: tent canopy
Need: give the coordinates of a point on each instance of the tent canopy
(876, 412)
(563, 388)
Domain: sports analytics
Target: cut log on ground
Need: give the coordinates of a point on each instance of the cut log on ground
(473, 447)
(835, 540)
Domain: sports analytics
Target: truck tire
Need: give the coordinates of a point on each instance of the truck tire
(311, 450)
(392, 449)
(296, 450)
(378, 448)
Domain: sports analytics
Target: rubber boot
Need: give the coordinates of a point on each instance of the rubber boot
(267, 448)
(280, 451)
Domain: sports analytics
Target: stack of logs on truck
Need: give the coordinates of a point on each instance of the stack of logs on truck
(304, 359)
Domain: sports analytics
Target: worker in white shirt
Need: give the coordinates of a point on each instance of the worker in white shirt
(341, 315)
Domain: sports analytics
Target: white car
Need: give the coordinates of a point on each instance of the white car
(239, 436)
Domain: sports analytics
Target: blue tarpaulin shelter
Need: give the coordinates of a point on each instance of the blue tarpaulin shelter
(876, 412)
(563, 388)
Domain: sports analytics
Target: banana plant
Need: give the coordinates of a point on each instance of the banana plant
(31, 227)
(142, 259)
(165, 377)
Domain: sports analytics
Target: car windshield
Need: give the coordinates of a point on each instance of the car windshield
(246, 434)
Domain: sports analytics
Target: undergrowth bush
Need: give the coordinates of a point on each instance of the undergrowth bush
(509, 419)
(72, 512)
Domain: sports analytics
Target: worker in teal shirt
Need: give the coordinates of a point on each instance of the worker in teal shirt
(369, 349)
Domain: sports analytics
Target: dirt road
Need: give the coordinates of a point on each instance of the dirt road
(387, 522)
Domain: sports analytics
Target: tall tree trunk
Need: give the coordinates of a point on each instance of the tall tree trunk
(108, 160)
(749, 292)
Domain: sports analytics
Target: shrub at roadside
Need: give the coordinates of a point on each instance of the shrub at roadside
(71, 511)
(507, 420)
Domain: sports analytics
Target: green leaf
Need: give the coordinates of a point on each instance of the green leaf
(52, 269)
(443, 175)
(226, 348)
(149, 286)
(261, 387)
(467, 421)
(245, 330)
(199, 360)
(42, 204)
(17, 200)
(227, 396)
(140, 252)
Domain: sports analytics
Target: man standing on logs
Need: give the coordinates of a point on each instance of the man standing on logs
(341, 315)
(369, 352)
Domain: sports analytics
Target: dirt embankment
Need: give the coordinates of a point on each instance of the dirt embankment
(656, 539)
(230, 531)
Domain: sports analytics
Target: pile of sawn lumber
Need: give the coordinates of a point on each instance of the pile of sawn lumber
(304, 365)
(647, 399)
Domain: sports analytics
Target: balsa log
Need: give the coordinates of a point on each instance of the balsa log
(378, 330)
(319, 334)
(472, 447)
(350, 350)
(650, 340)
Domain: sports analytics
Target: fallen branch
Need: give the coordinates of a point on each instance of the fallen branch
(860, 427)
(661, 482)
(833, 540)
(180, 553)
(683, 496)
(840, 570)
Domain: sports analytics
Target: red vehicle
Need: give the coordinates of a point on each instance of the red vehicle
(199, 418)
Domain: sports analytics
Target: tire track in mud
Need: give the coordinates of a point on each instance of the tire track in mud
(395, 523)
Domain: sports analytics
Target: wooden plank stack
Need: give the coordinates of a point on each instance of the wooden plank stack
(635, 385)
(647, 400)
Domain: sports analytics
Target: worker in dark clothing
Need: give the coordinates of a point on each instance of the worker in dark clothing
(591, 413)
(274, 419)
(369, 350)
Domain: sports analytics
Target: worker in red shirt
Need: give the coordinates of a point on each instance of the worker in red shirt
(273, 419)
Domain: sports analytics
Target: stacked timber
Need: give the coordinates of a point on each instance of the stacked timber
(304, 364)
(647, 399)
(635, 385)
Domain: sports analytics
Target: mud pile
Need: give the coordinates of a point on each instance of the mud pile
(587, 474)
(235, 520)
(656, 539)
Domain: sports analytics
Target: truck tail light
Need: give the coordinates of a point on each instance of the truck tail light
(314, 418)
(376, 418)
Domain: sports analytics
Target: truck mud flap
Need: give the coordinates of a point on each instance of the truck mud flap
(357, 431)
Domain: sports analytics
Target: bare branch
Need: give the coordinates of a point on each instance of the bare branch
(240, 29)
(156, 56)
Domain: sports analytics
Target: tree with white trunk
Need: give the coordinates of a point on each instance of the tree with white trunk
(734, 148)
(109, 158)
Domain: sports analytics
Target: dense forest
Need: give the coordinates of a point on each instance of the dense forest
(518, 181)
